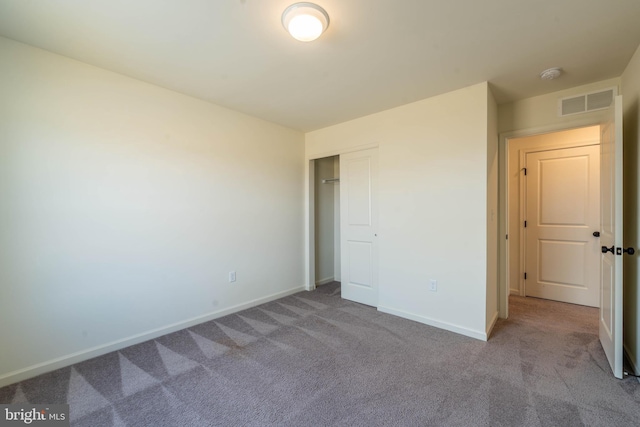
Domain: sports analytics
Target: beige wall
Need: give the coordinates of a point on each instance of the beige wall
(433, 184)
(631, 101)
(517, 147)
(123, 207)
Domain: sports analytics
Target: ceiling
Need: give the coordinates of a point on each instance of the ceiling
(375, 55)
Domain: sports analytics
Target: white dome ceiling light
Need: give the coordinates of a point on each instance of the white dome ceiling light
(305, 21)
(551, 73)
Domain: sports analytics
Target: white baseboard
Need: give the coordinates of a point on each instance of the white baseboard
(479, 335)
(324, 281)
(70, 359)
(514, 291)
(492, 324)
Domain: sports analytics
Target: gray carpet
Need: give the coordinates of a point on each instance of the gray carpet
(313, 359)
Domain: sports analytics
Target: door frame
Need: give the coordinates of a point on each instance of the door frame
(503, 196)
(309, 204)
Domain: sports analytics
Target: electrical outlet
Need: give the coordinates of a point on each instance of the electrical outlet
(433, 285)
(232, 276)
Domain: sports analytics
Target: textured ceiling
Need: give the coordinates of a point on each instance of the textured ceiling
(376, 54)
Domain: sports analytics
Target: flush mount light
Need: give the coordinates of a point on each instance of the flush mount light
(305, 21)
(551, 73)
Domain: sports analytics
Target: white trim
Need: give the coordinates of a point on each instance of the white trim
(503, 226)
(325, 281)
(492, 324)
(337, 250)
(345, 150)
(522, 217)
(310, 219)
(514, 292)
(558, 127)
(70, 359)
(479, 335)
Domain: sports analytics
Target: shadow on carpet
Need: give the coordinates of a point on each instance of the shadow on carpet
(314, 359)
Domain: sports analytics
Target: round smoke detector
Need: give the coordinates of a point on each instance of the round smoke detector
(551, 73)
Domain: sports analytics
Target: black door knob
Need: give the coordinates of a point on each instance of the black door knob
(606, 249)
(629, 251)
(596, 234)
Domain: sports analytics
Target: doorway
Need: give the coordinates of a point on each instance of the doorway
(343, 221)
(611, 227)
(327, 220)
(541, 262)
(561, 236)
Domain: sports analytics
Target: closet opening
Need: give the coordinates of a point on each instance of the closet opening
(327, 220)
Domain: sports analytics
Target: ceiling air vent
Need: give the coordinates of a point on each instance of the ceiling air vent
(587, 102)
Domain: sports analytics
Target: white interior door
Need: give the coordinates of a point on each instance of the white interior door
(611, 237)
(358, 224)
(562, 213)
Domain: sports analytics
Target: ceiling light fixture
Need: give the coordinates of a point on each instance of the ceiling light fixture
(551, 73)
(305, 21)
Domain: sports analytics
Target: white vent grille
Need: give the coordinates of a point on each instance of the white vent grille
(573, 105)
(599, 100)
(587, 102)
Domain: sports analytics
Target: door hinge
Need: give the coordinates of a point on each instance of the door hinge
(507, 237)
(525, 276)
(525, 224)
(525, 171)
